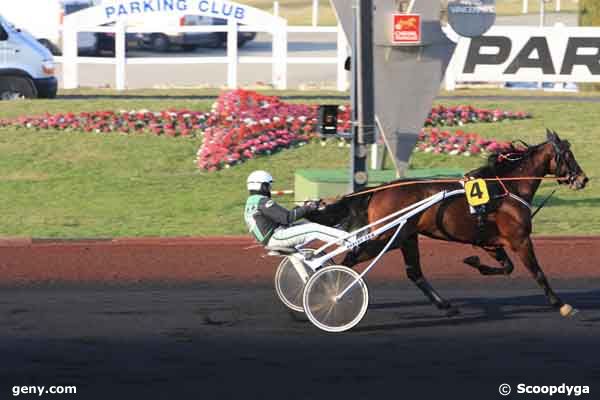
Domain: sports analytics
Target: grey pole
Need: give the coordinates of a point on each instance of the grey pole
(363, 92)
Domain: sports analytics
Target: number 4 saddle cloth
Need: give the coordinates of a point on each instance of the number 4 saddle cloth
(485, 196)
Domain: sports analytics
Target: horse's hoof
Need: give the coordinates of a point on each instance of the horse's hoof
(568, 311)
(473, 261)
(452, 312)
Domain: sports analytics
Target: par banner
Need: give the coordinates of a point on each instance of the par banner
(528, 54)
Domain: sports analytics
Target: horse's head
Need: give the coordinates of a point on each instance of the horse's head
(564, 164)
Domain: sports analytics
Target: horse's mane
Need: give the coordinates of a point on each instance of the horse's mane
(505, 161)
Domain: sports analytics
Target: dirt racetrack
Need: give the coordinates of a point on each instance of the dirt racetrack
(199, 319)
(239, 259)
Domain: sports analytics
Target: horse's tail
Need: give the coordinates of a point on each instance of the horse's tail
(349, 213)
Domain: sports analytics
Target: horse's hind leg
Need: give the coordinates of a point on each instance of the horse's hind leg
(410, 250)
(524, 249)
(499, 254)
(363, 252)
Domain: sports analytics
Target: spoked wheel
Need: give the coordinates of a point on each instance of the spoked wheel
(290, 279)
(322, 305)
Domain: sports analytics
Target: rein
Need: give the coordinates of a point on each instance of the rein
(398, 184)
(543, 203)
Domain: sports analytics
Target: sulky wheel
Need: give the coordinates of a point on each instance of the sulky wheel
(290, 279)
(322, 306)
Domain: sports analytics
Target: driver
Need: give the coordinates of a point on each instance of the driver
(273, 225)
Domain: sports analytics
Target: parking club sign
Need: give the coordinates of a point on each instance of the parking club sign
(406, 29)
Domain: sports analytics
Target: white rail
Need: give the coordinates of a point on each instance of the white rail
(279, 58)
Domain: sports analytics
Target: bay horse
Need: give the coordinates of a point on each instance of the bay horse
(507, 224)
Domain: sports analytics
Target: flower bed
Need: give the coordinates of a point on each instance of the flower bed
(253, 125)
(249, 125)
(461, 115)
(243, 125)
(170, 122)
(457, 143)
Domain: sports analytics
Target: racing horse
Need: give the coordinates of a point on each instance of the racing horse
(513, 176)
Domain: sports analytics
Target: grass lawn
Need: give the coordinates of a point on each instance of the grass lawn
(57, 184)
(515, 7)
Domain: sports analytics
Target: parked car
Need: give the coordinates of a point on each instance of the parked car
(44, 18)
(87, 42)
(106, 42)
(243, 37)
(44, 23)
(26, 67)
(189, 41)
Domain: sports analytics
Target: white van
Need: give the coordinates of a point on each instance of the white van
(26, 67)
(44, 18)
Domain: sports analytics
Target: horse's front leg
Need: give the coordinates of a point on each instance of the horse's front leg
(499, 254)
(524, 248)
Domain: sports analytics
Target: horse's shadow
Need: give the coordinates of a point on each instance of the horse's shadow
(483, 309)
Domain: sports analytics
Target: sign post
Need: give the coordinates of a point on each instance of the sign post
(363, 105)
(410, 55)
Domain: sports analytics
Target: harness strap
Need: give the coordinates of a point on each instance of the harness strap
(543, 203)
(521, 200)
(429, 181)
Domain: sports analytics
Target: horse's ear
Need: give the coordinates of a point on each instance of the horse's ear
(556, 136)
(550, 135)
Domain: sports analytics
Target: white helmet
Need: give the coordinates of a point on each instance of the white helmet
(257, 178)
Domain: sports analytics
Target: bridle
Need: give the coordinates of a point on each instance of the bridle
(561, 155)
